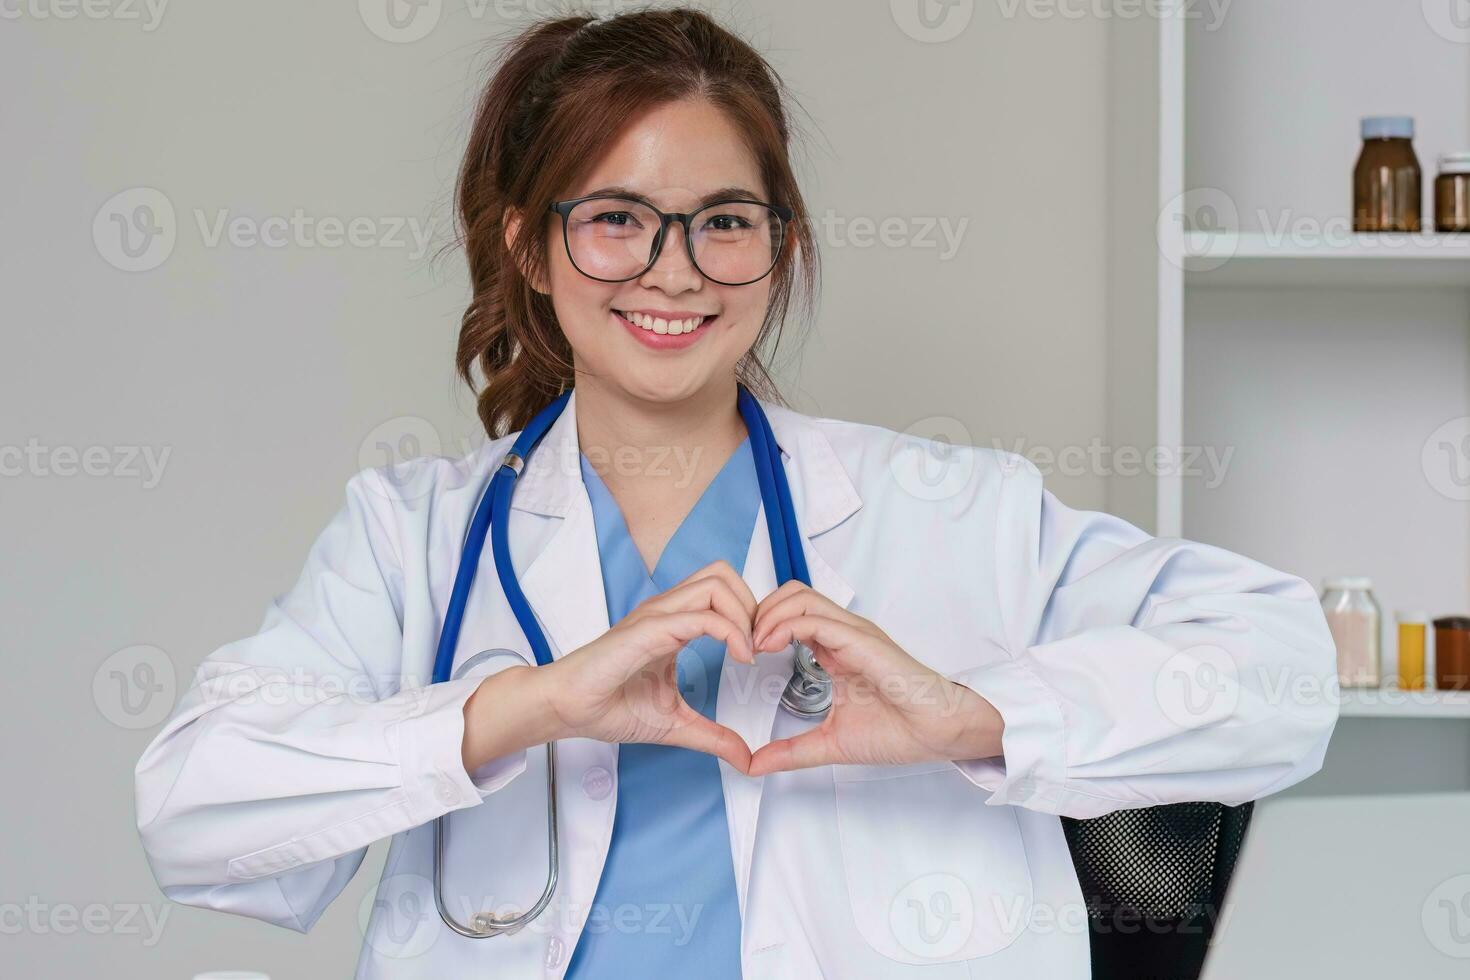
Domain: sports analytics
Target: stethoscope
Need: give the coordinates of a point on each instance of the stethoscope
(808, 694)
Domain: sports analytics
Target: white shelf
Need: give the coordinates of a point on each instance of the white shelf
(1362, 260)
(1390, 702)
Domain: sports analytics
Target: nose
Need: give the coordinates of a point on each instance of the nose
(671, 270)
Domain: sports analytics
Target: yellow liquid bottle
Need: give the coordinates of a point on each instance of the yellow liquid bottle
(1413, 628)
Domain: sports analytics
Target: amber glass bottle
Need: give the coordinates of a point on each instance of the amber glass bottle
(1452, 193)
(1387, 182)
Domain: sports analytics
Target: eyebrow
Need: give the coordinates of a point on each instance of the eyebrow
(722, 194)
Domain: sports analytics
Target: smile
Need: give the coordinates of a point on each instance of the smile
(665, 325)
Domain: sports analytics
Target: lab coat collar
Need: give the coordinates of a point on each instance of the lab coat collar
(822, 492)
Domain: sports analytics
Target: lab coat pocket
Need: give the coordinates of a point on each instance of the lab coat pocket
(933, 874)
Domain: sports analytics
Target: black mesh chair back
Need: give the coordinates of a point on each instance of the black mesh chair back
(1154, 880)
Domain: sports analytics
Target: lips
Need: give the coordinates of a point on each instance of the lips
(644, 329)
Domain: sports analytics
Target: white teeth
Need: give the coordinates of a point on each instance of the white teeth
(661, 326)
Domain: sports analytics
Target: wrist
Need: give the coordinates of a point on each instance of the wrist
(980, 728)
(508, 712)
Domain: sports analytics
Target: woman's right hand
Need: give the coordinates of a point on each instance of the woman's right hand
(623, 686)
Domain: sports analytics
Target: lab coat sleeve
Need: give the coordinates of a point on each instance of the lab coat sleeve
(296, 748)
(1144, 670)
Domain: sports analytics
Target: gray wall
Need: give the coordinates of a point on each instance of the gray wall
(257, 378)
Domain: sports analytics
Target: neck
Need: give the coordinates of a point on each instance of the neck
(657, 448)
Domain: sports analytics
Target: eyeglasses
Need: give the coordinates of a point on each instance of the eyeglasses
(614, 239)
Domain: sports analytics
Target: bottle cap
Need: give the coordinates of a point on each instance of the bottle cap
(1349, 582)
(1455, 163)
(1388, 127)
(1412, 616)
(1452, 623)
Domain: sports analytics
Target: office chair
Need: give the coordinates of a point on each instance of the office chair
(1154, 880)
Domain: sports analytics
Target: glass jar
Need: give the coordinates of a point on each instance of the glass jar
(1354, 618)
(1452, 653)
(1387, 181)
(1452, 193)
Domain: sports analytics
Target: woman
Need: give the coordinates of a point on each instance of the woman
(997, 659)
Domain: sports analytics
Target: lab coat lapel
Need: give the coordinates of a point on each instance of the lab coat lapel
(564, 581)
(823, 496)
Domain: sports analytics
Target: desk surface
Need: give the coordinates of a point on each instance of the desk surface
(1349, 887)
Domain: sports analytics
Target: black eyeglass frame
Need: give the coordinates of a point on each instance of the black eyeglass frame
(665, 218)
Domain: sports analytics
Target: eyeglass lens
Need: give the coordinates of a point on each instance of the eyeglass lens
(613, 238)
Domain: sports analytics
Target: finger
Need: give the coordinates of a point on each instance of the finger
(697, 585)
(810, 748)
(702, 735)
(800, 601)
(787, 588)
(724, 572)
(711, 592)
(834, 642)
(665, 634)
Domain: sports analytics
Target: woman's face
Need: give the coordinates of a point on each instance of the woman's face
(673, 157)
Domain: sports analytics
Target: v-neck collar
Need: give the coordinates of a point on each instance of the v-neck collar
(728, 503)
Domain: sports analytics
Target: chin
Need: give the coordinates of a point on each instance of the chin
(663, 385)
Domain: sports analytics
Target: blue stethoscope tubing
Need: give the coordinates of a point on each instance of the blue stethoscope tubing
(491, 518)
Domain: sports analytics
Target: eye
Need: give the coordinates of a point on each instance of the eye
(727, 222)
(617, 219)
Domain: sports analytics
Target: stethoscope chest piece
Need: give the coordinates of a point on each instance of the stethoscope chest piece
(809, 692)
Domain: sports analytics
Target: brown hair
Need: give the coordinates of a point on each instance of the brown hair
(558, 89)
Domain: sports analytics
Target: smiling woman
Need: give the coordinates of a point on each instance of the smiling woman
(798, 709)
(578, 123)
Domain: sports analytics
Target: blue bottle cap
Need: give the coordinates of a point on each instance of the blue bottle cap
(1388, 127)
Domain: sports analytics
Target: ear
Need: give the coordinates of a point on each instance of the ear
(513, 218)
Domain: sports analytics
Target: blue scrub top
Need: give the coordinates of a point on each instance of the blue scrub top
(666, 905)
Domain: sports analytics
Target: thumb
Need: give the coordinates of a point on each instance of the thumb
(695, 731)
(810, 748)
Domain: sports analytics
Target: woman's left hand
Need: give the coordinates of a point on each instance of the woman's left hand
(887, 708)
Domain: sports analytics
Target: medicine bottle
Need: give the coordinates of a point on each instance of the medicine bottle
(1413, 634)
(1387, 183)
(1452, 193)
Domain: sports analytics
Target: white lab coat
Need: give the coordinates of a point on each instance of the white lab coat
(1130, 671)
